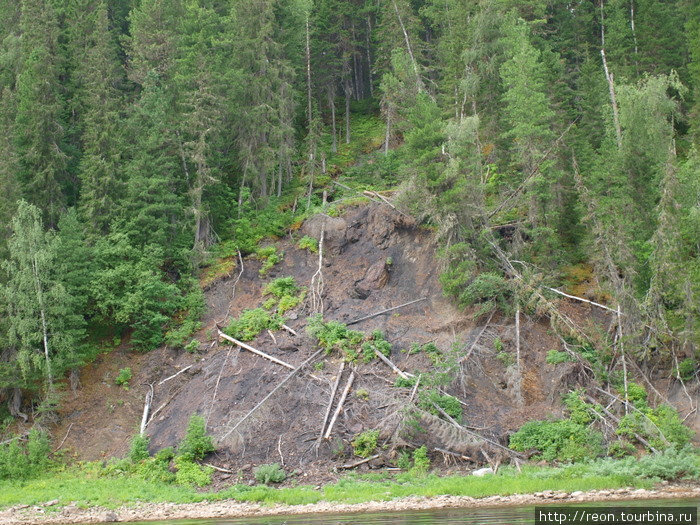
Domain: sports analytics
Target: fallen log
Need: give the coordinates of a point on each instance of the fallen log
(391, 365)
(175, 375)
(330, 401)
(473, 434)
(255, 351)
(285, 327)
(386, 310)
(478, 337)
(219, 469)
(454, 454)
(146, 409)
(358, 463)
(340, 405)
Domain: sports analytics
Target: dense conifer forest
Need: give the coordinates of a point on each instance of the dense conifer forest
(545, 143)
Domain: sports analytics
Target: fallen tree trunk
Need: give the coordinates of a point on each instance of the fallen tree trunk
(357, 463)
(175, 375)
(330, 401)
(255, 351)
(146, 409)
(340, 405)
(386, 310)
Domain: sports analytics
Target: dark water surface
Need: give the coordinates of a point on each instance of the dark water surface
(480, 516)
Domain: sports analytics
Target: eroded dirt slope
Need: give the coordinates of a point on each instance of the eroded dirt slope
(374, 258)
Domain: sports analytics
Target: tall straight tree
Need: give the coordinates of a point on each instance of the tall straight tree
(98, 73)
(266, 96)
(526, 109)
(39, 124)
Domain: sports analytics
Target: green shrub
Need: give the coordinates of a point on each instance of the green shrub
(671, 464)
(196, 444)
(281, 286)
(405, 382)
(561, 440)
(251, 322)
(138, 451)
(270, 303)
(191, 473)
(123, 377)
(505, 357)
(620, 449)
(404, 460)
(270, 473)
(365, 443)
(686, 369)
(192, 346)
(288, 302)
(652, 423)
(269, 256)
(489, 290)
(579, 411)
(308, 243)
(427, 399)
(555, 357)
(24, 460)
(333, 335)
(421, 461)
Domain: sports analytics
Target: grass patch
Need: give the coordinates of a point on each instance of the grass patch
(88, 485)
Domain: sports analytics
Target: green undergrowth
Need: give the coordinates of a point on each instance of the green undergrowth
(251, 322)
(90, 485)
(354, 346)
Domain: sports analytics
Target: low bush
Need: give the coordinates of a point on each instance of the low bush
(558, 440)
(20, 460)
(672, 464)
(555, 357)
(251, 322)
(281, 286)
(428, 399)
(333, 335)
(270, 473)
(196, 443)
(421, 461)
(191, 473)
(269, 257)
(660, 426)
(123, 377)
(138, 451)
(365, 443)
(308, 243)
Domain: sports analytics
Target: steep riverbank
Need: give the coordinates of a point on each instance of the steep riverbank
(47, 514)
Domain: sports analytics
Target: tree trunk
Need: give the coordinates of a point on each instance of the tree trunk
(15, 404)
(348, 93)
(308, 73)
(369, 56)
(613, 100)
(331, 103)
(44, 324)
(419, 81)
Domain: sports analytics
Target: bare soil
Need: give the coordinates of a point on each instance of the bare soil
(99, 421)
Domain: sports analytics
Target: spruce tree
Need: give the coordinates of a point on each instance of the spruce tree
(39, 124)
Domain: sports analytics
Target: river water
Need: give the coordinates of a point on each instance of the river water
(479, 516)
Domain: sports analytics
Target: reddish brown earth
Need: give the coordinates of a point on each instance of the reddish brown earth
(101, 418)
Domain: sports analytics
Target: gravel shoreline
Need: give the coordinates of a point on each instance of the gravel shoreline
(48, 514)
